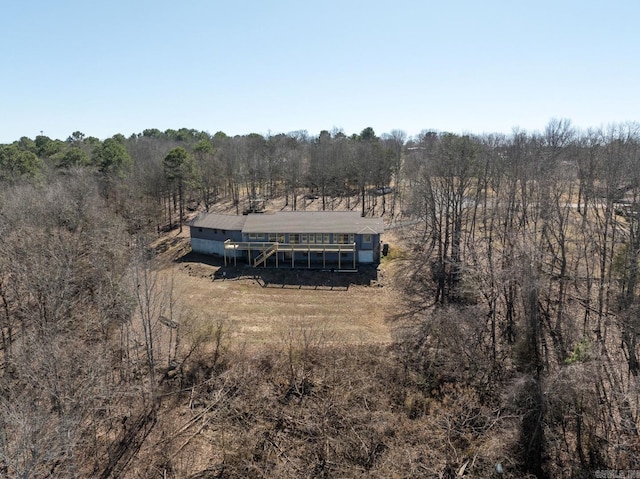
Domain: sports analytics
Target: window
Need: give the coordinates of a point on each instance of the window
(200, 230)
(366, 239)
(294, 238)
(343, 238)
(256, 236)
(326, 238)
(303, 238)
(276, 237)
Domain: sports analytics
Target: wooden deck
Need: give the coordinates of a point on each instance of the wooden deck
(267, 249)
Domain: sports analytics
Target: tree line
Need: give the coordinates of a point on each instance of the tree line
(519, 267)
(174, 167)
(523, 275)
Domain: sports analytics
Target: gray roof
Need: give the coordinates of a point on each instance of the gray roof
(312, 222)
(218, 221)
(293, 222)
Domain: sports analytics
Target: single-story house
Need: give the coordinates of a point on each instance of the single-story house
(296, 239)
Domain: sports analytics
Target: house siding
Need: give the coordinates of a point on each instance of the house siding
(211, 241)
(368, 252)
(365, 257)
(207, 239)
(214, 234)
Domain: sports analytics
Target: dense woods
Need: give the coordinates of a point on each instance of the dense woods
(516, 341)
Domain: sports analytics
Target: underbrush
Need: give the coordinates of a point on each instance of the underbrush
(306, 409)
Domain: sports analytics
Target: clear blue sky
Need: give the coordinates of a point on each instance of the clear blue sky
(271, 66)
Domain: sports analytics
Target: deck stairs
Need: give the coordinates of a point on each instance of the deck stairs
(262, 257)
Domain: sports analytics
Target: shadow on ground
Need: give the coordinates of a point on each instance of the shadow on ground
(298, 278)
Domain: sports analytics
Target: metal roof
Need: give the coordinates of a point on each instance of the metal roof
(293, 222)
(312, 222)
(218, 221)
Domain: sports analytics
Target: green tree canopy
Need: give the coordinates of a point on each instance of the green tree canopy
(75, 137)
(16, 163)
(178, 165)
(46, 146)
(368, 134)
(113, 158)
(74, 157)
(203, 146)
(152, 133)
(27, 144)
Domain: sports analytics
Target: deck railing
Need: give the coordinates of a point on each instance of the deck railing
(267, 249)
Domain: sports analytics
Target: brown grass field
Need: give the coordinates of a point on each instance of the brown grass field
(259, 306)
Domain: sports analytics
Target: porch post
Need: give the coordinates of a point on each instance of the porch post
(354, 255)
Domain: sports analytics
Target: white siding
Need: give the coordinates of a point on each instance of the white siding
(210, 247)
(365, 256)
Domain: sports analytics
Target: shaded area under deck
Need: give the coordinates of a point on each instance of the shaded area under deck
(259, 252)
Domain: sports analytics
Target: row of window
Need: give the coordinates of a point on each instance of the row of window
(309, 238)
(215, 231)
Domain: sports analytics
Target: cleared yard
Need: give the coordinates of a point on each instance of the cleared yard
(262, 306)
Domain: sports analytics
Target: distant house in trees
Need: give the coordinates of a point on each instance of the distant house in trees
(299, 239)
